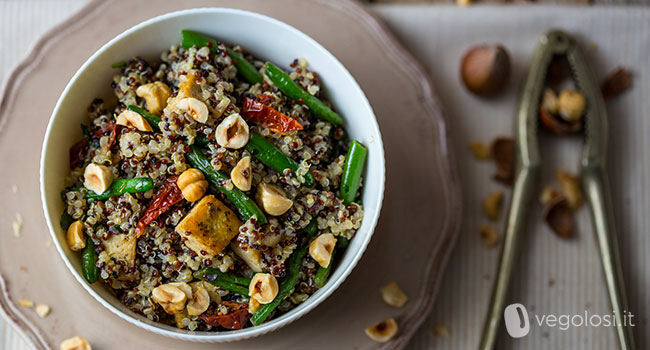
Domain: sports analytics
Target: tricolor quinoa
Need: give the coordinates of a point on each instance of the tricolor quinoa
(228, 242)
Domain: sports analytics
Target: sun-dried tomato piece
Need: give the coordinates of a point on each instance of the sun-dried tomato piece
(166, 196)
(78, 153)
(236, 318)
(258, 112)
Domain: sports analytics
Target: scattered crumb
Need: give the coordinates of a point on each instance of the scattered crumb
(587, 305)
(616, 83)
(545, 334)
(480, 150)
(551, 283)
(14, 188)
(393, 295)
(25, 303)
(42, 310)
(440, 331)
(547, 195)
(490, 235)
(23, 269)
(75, 343)
(17, 225)
(492, 205)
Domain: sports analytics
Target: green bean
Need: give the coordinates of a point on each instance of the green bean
(151, 118)
(89, 262)
(122, 186)
(289, 282)
(119, 64)
(245, 206)
(244, 68)
(66, 221)
(224, 281)
(286, 286)
(211, 273)
(272, 157)
(292, 90)
(352, 170)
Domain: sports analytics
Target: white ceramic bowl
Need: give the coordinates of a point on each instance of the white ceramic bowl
(268, 39)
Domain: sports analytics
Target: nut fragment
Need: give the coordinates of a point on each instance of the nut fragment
(232, 132)
(555, 125)
(393, 295)
(42, 310)
(383, 331)
(492, 205)
(241, 174)
(490, 235)
(548, 194)
(571, 105)
(503, 152)
(570, 188)
(195, 108)
(263, 287)
(134, 120)
(321, 249)
(171, 298)
(272, 199)
(26, 303)
(549, 101)
(97, 178)
(253, 305)
(155, 95)
(192, 184)
(485, 69)
(75, 236)
(75, 343)
(440, 331)
(480, 150)
(616, 83)
(558, 216)
(199, 302)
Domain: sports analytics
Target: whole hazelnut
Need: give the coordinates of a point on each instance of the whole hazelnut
(485, 69)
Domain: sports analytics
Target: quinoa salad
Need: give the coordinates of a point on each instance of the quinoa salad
(216, 191)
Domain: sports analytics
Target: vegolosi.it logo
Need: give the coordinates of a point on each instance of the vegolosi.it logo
(516, 318)
(518, 323)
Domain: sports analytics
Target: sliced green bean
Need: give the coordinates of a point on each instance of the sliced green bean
(89, 262)
(351, 177)
(122, 186)
(286, 286)
(119, 64)
(292, 90)
(210, 273)
(289, 282)
(272, 157)
(224, 281)
(244, 68)
(66, 221)
(245, 206)
(151, 118)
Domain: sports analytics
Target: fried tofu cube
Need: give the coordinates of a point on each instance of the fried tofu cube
(209, 227)
(252, 257)
(121, 247)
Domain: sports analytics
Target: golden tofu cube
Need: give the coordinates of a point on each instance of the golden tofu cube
(209, 227)
(252, 257)
(121, 247)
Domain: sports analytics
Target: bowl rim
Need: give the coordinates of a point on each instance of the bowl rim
(285, 319)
